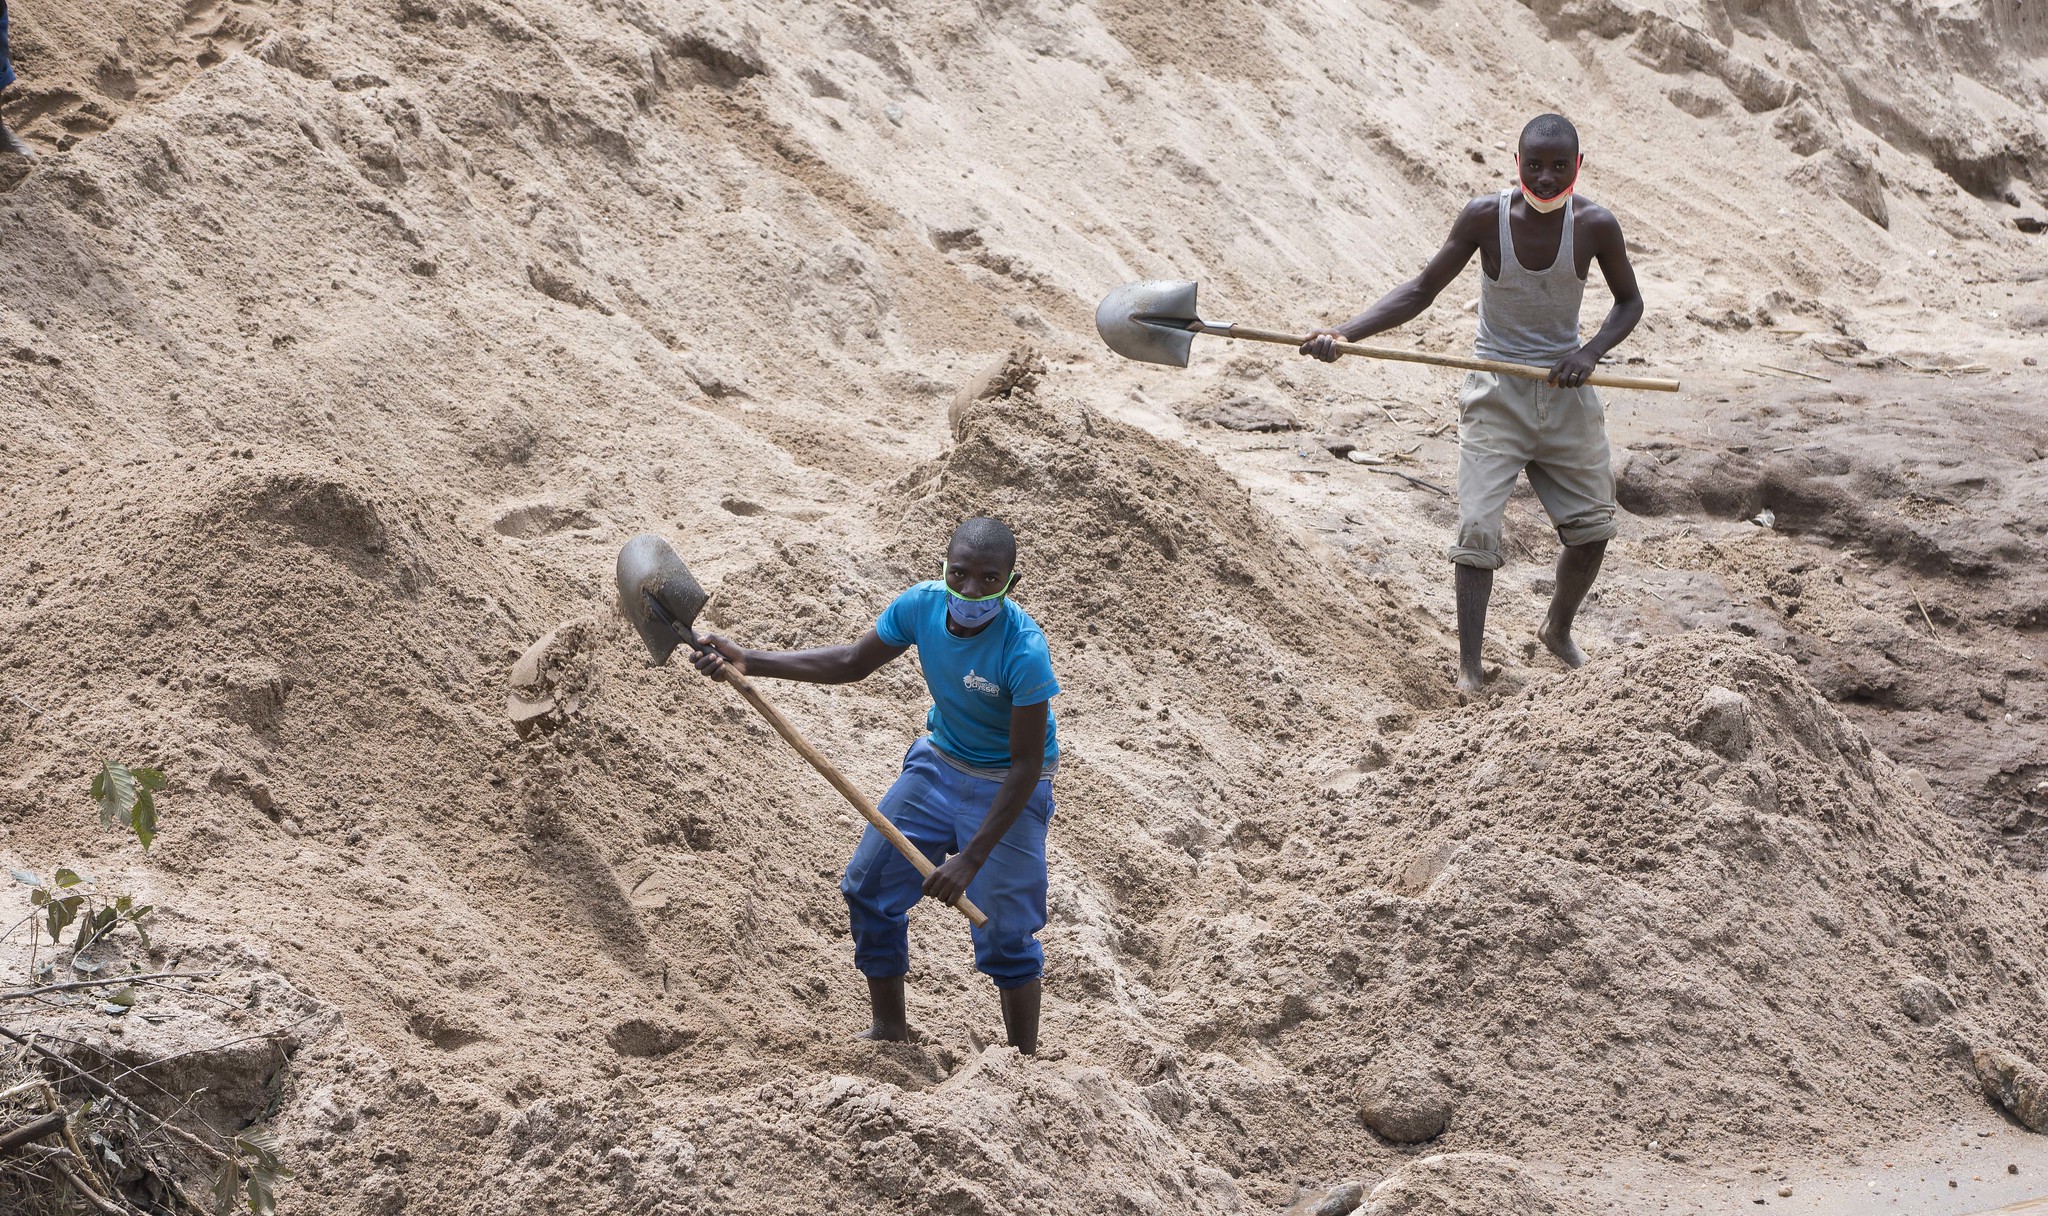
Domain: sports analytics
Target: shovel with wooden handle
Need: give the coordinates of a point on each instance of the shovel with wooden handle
(658, 594)
(1155, 322)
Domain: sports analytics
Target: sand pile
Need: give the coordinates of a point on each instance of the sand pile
(1903, 569)
(1673, 899)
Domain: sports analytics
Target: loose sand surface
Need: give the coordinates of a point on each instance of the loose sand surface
(345, 345)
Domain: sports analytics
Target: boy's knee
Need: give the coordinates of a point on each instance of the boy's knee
(1010, 962)
(1483, 555)
(1593, 527)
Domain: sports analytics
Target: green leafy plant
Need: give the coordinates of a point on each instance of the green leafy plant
(254, 1171)
(126, 798)
(126, 1139)
(72, 898)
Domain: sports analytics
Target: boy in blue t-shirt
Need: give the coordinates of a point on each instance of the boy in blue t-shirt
(977, 787)
(9, 142)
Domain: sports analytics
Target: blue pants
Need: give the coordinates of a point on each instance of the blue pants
(940, 808)
(6, 64)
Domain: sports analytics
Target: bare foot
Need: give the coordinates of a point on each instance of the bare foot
(1559, 642)
(891, 1034)
(1471, 682)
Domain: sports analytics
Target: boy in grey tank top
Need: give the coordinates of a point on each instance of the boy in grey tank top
(1554, 429)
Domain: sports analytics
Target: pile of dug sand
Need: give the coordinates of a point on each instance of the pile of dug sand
(1671, 904)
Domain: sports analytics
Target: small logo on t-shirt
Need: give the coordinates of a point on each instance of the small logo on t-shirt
(980, 685)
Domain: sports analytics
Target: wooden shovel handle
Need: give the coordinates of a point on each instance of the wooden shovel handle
(1525, 371)
(839, 782)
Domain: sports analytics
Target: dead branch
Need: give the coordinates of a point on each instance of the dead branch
(108, 1092)
(23, 994)
(1427, 485)
(36, 1130)
(90, 1195)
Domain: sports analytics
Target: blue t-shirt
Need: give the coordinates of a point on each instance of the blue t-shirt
(974, 681)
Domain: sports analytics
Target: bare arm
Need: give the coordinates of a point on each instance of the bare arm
(1411, 299)
(1611, 251)
(831, 665)
(1027, 760)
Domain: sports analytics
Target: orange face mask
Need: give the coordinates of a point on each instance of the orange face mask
(1547, 205)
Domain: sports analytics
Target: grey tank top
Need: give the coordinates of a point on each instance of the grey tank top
(1531, 316)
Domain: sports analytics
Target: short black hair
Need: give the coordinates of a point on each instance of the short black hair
(987, 537)
(1550, 126)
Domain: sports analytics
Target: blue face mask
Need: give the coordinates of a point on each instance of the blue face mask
(971, 612)
(968, 613)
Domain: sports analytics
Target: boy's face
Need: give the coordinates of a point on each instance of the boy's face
(975, 575)
(1548, 165)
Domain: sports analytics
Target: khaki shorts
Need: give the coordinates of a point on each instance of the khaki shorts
(1507, 424)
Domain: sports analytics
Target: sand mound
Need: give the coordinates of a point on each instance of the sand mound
(1673, 898)
(1453, 1184)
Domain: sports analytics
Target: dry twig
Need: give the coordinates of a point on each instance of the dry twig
(1923, 611)
(23, 994)
(1792, 372)
(36, 1130)
(1427, 485)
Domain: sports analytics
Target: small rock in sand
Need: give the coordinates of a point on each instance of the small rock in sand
(2016, 1085)
(1720, 723)
(1341, 1200)
(1406, 1107)
(1925, 1001)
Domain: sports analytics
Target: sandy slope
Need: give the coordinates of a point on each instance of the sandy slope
(349, 342)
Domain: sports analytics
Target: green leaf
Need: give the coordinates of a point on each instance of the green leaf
(67, 877)
(262, 1192)
(148, 778)
(145, 818)
(124, 996)
(226, 1186)
(96, 926)
(263, 1145)
(59, 914)
(25, 878)
(114, 789)
(38, 897)
(123, 903)
(139, 932)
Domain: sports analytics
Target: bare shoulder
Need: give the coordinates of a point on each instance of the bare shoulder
(1597, 218)
(1479, 215)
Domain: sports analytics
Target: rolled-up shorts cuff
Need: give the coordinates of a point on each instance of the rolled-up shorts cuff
(1483, 559)
(1586, 534)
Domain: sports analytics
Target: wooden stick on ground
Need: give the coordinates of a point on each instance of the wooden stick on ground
(1427, 485)
(1794, 372)
(47, 1125)
(23, 994)
(1923, 611)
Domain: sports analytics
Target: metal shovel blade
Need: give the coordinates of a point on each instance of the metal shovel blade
(657, 594)
(1148, 321)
